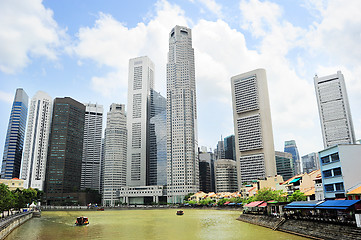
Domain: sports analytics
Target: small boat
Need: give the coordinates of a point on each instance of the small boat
(80, 221)
(100, 209)
(180, 212)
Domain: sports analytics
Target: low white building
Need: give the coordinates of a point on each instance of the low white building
(142, 194)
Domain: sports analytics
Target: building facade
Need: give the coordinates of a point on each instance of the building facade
(310, 162)
(284, 165)
(63, 173)
(220, 151)
(115, 154)
(334, 110)
(229, 147)
(91, 162)
(252, 126)
(182, 143)
(340, 169)
(226, 175)
(14, 141)
(206, 170)
(36, 141)
(291, 147)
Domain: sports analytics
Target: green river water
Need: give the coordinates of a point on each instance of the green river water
(144, 224)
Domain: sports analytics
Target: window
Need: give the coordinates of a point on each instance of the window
(325, 159)
(335, 157)
(329, 187)
(339, 186)
(337, 172)
(327, 173)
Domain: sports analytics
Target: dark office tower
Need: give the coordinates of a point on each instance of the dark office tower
(157, 140)
(290, 147)
(284, 165)
(230, 147)
(63, 173)
(206, 171)
(14, 141)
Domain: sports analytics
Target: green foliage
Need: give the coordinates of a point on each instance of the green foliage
(222, 201)
(267, 194)
(297, 196)
(192, 202)
(205, 202)
(186, 197)
(236, 200)
(6, 198)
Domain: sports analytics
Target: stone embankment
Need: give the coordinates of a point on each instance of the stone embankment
(8, 224)
(310, 229)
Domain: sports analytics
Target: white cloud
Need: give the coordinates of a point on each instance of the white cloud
(27, 30)
(6, 97)
(213, 6)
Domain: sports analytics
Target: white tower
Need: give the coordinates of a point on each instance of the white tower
(182, 145)
(115, 154)
(140, 84)
(334, 110)
(36, 141)
(93, 126)
(252, 126)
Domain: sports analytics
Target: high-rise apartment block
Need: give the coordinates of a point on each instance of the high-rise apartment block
(226, 175)
(284, 165)
(253, 126)
(291, 147)
(63, 172)
(115, 154)
(91, 162)
(14, 141)
(36, 141)
(182, 144)
(334, 110)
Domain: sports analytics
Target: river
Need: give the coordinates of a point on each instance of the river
(144, 224)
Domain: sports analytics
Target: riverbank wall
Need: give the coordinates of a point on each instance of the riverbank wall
(309, 229)
(8, 224)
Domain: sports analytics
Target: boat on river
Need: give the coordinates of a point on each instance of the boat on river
(80, 221)
(180, 212)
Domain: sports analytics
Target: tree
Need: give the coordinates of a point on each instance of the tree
(186, 197)
(297, 196)
(222, 201)
(267, 194)
(19, 199)
(6, 199)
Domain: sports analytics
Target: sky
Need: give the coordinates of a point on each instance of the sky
(81, 49)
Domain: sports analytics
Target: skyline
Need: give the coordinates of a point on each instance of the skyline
(65, 47)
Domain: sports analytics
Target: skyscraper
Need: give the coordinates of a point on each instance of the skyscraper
(252, 126)
(140, 85)
(310, 162)
(36, 141)
(14, 141)
(182, 145)
(334, 110)
(226, 175)
(115, 154)
(90, 168)
(206, 170)
(63, 171)
(291, 147)
(230, 147)
(220, 153)
(284, 165)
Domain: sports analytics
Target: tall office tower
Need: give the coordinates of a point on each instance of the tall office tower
(102, 168)
(291, 147)
(63, 171)
(14, 141)
(115, 154)
(252, 126)
(206, 170)
(140, 85)
(90, 168)
(220, 153)
(334, 110)
(36, 141)
(158, 140)
(182, 144)
(284, 165)
(310, 162)
(230, 147)
(226, 175)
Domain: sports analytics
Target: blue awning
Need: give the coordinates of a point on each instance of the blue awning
(303, 204)
(294, 180)
(337, 204)
(230, 204)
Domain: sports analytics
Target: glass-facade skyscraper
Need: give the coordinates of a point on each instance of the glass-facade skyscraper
(291, 147)
(15, 135)
(230, 147)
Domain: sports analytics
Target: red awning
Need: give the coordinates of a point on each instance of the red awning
(263, 205)
(253, 204)
(226, 203)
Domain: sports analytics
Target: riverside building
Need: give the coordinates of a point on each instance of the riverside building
(182, 143)
(36, 141)
(115, 154)
(15, 134)
(63, 172)
(252, 126)
(91, 161)
(334, 110)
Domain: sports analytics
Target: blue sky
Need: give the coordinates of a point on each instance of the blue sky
(81, 49)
